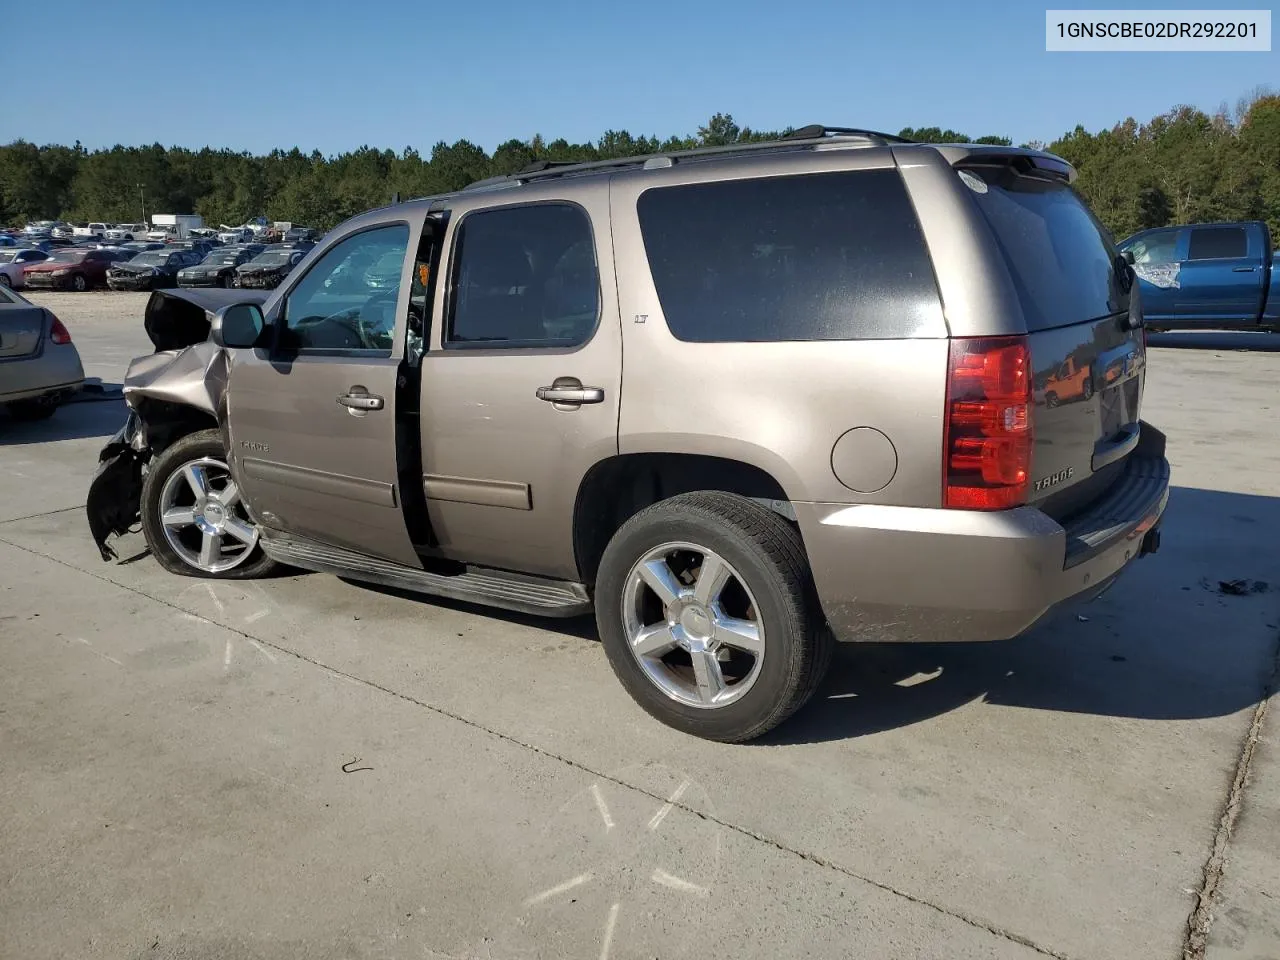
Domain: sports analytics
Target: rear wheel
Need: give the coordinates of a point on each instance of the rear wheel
(1088, 389)
(709, 618)
(193, 517)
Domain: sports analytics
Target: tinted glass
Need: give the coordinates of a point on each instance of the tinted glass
(523, 276)
(832, 256)
(1061, 260)
(1160, 247)
(338, 305)
(1218, 243)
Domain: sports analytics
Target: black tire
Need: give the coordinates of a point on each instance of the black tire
(5, 281)
(1088, 389)
(29, 411)
(1050, 399)
(204, 443)
(79, 283)
(769, 555)
(227, 281)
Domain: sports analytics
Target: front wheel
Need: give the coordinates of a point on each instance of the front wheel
(79, 283)
(193, 517)
(5, 281)
(709, 617)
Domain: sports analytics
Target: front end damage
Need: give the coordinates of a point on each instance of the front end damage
(170, 393)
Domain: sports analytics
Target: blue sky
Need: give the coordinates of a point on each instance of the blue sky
(396, 73)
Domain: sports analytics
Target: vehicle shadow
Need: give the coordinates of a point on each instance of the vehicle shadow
(1168, 642)
(1247, 340)
(77, 420)
(582, 627)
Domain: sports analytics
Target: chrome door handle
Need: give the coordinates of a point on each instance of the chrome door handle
(1243, 269)
(569, 390)
(360, 401)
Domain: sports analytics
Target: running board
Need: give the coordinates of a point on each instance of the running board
(495, 588)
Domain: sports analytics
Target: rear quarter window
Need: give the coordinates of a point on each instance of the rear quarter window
(830, 256)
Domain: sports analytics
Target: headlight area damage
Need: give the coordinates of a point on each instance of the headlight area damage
(170, 393)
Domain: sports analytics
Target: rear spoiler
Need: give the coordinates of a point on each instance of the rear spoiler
(1027, 162)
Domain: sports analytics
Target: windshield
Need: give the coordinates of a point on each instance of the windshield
(1061, 259)
(222, 258)
(151, 259)
(68, 256)
(6, 256)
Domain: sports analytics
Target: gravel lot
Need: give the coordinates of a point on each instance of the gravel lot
(174, 781)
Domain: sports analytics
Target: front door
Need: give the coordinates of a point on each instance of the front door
(1156, 263)
(313, 416)
(521, 381)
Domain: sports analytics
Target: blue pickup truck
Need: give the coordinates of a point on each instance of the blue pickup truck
(1213, 275)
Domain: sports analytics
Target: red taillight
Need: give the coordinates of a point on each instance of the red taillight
(987, 437)
(58, 333)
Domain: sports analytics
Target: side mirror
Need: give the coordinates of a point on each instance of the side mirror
(1128, 256)
(237, 325)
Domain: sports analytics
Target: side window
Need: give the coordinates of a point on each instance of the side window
(347, 300)
(1218, 243)
(523, 276)
(1158, 247)
(830, 256)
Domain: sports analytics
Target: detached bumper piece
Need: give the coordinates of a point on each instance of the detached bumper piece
(115, 494)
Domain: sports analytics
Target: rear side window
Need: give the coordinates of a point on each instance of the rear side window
(1218, 243)
(523, 277)
(830, 256)
(1060, 258)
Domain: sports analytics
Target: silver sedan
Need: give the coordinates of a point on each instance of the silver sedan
(39, 365)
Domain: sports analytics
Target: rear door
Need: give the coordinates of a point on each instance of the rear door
(521, 380)
(1076, 303)
(313, 418)
(1222, 278)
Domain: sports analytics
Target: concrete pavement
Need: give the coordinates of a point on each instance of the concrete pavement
(1059, 795)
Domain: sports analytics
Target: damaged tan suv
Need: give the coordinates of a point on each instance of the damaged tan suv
(742, 402)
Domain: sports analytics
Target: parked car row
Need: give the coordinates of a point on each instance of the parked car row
(147, 265)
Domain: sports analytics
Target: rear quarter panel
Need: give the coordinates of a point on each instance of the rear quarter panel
(779, 406)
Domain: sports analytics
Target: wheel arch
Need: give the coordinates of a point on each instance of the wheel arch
(618, 487)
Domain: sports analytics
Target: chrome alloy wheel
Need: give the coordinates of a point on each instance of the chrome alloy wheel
(203, 519)
(693, 625)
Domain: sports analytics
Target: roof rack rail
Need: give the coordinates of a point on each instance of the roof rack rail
(815, 130)
(806, 137)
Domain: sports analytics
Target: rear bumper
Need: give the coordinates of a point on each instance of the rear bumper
(913, 574)
(56, 369)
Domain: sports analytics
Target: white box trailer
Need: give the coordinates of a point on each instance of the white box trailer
(174, 226)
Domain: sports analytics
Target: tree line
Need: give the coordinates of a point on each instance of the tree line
(1181, 166)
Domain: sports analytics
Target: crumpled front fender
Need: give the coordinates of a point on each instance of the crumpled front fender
(187, 371)
(191, 377)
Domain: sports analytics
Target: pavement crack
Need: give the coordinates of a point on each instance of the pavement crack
(36, 516)
(675, 802)
(1199, 923)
